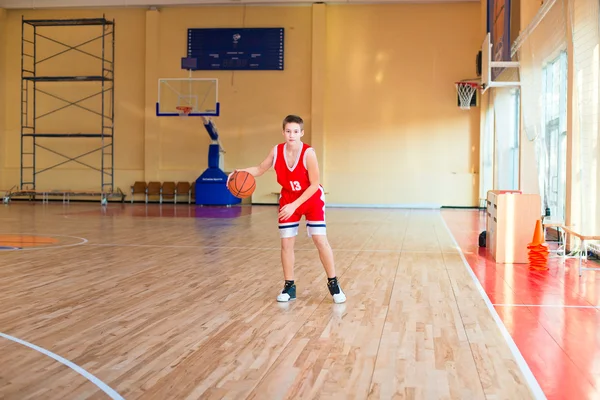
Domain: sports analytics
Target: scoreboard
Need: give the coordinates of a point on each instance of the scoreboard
(234, 49)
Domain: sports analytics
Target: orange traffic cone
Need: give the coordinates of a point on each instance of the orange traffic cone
(538, 250)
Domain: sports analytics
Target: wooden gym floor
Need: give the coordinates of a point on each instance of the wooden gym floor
(178, 302)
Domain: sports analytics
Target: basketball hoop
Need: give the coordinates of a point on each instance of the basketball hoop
(465, 91)
(184, 111)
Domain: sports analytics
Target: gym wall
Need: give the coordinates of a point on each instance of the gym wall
(376, 93)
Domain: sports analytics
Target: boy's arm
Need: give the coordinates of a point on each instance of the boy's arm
(259, 169)
(313, 175)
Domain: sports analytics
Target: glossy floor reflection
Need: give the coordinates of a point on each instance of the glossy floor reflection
(166, 210)
(178, 302)
(553, 316)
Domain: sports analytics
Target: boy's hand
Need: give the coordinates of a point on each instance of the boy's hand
(287, 211)
(229, 177)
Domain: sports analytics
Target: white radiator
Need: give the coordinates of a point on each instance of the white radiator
(594, 248)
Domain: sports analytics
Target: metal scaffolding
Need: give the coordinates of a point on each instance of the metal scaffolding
(32, 83)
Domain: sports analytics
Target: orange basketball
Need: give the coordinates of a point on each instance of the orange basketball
(241, 184)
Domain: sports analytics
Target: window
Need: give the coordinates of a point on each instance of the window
(486, 179)
(514, 146)
(553, 165)
(506, 105)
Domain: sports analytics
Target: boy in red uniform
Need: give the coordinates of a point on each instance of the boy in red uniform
(297, 170)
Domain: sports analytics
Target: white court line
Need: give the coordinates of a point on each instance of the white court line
(538, 393)
(101, 385)
(82, 241)
(544, 305)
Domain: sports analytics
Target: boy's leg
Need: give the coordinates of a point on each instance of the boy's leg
(288, 257)
(317, 230)
(288, 230)
(326, 256)
(287, 261)
(325, 253)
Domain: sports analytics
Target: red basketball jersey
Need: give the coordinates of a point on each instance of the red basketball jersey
(293, 180)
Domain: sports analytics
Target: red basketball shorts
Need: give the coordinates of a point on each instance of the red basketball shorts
(313, 211)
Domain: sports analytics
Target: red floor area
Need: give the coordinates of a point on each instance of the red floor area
(553, 316)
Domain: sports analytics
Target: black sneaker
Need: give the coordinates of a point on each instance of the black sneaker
(336, 291)
(288, 293)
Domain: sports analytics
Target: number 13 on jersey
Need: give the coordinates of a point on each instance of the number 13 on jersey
(295, 186)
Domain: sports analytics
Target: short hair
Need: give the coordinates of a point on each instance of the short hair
(293, 119)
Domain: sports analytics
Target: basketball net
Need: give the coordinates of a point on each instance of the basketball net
(465, 90)
(184, 111)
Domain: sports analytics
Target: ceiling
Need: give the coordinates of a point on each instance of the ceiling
(30, 4)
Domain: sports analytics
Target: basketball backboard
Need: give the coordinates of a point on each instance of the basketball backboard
(499, 13)
(502, 27)
(201, 94)
(486, 58)
(490, 67)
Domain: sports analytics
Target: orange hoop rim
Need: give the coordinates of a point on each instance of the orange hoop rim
(184, 109)
(464, 83)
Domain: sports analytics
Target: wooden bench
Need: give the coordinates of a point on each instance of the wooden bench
(560, 230)
(584, 237)
(65, 194)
